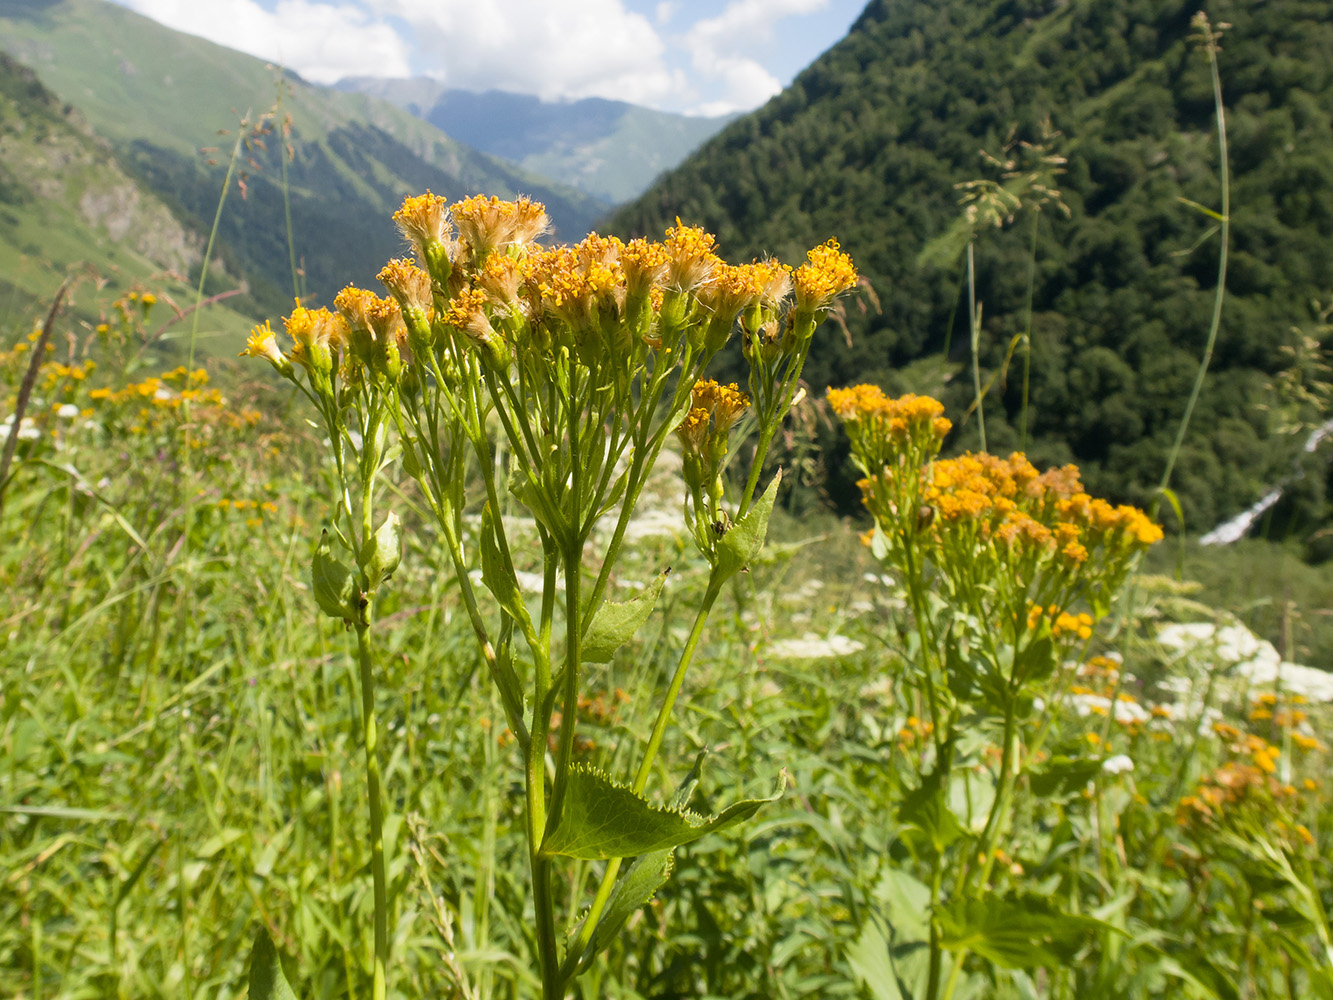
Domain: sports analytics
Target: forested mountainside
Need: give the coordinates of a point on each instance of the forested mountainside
(870, 143)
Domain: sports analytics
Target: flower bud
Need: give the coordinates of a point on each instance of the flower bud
(382, 552)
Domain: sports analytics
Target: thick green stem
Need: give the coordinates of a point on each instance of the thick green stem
(373, 787)
(584, 936)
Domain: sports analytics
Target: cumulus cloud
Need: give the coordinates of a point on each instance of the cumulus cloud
(720, 50)
(552, 48)
(321, 41)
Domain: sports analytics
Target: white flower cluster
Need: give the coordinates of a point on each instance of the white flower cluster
(1254, 659)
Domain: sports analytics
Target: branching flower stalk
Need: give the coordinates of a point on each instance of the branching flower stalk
(996, 558)
(574, 364)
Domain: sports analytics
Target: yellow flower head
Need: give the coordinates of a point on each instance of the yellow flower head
(500, 278)
(356, 305)
(309, 327)
(407, 283)
(827, 272)
(693, 431)
(858, 402)
(467, 312)
(690, 256)
(487, 224)
(726, 403)
(644, 264)
(263, 343)
(424, 220)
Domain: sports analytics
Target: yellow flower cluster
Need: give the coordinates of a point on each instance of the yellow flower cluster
(1015, 544)
(826, 272)
(481, 284)
(704, 433)
(160, 396)
(914, 733)
(908, 430)
(1244, 796)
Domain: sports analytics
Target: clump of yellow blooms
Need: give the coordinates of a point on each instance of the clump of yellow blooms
(1017, 546)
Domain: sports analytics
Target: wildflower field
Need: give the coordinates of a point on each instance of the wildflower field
(365, 670)
(460, 641)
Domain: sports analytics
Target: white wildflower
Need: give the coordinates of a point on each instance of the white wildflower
(1119, 764)
(1125, 711)
(812, 647)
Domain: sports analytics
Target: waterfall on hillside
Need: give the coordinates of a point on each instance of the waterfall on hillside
(1236, 528)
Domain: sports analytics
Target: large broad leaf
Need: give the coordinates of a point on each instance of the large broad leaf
(872, 964)
(496, 574)
(1015, 932)
(926, 809)
(1061, 776)
(745, 538)
(602, 819)
(614, 624)
(333, 583)
(267, 981)
(644, 877)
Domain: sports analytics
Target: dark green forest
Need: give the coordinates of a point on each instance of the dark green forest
(869, 144)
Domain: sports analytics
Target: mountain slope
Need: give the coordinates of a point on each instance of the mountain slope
(608, 149)
(160, 95)
(67, 205)
(870, 141)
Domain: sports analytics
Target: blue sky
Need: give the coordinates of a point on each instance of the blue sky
(695, 56)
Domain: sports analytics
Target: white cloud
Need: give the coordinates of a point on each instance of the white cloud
(321, 41)
(719, 48)
(552, 48)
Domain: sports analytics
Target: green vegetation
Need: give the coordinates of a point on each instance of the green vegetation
(350, 708)
(870, 141)
(183, 762)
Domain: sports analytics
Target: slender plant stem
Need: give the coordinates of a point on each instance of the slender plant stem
(1224, 172)
(1027, 333)
(974, 326)
(584, 936)
(370, 738)
(25, 389)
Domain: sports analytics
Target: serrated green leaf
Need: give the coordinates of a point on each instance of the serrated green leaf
(332, 582)
(926, 808)
(496, 575)
(745, 538)
(1014, 932)
(603, 819)
(869, 958)
(267, 981)
(634, 889)
(645, 876)
(1063, 776)
(615, 623)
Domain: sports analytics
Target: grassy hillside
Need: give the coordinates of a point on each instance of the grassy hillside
(869, 143)
(608, 149)
(160, 96)
(67, 206)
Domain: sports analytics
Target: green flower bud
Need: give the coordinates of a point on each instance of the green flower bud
(382, 552)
